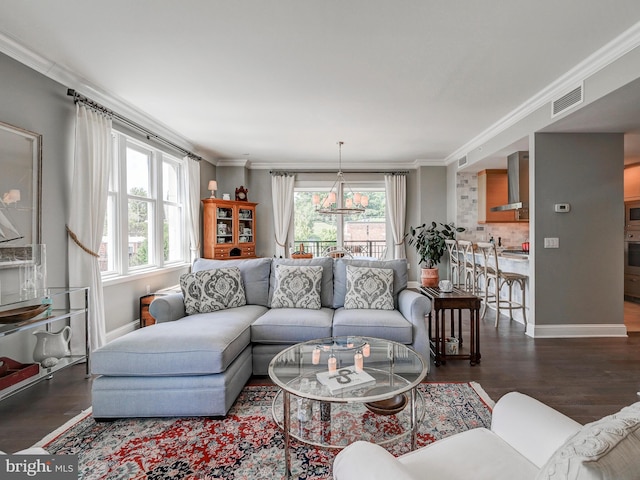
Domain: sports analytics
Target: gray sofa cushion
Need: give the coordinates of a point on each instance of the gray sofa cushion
(399, 268)
(200, 344)
(254, 273)
(292, 325)
(326, 289)
(387, 324)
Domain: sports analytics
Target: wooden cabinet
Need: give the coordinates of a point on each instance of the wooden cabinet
(229, 229)
(493, 192)
(632, 182)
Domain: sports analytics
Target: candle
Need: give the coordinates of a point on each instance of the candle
(333, 364)
(358, 361)
(315, 356)
(366, 350)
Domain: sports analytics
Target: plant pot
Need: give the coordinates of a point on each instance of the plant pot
(429, 277)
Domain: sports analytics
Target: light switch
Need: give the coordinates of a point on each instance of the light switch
(552, 242)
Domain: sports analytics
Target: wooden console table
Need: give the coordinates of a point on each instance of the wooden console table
(457, 300)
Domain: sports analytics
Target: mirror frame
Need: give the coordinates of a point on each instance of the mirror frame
(21, 172)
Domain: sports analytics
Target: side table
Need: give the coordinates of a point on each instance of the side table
(146, 318)
(451, 301)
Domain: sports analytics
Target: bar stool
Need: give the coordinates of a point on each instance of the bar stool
(454, 262)
(492, 273)
(469, 268)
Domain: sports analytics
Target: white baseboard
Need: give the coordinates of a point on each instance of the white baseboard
(123, 330)
(576, 331)
(413, 285)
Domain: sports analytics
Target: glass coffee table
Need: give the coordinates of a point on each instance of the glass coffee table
(335, 391)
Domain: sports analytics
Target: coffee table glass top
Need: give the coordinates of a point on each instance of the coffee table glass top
(388, 368)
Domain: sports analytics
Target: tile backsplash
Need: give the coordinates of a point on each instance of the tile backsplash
(512, 234)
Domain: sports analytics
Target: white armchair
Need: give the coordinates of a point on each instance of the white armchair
(527, 440)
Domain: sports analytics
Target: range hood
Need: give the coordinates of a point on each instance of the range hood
(518, 183)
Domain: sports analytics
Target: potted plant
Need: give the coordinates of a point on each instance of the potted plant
(429, 242)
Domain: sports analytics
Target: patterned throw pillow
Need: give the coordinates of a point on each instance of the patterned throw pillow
(212, 290)
(221, 288)
(369, 287)
(606, 448)
(191, 292)
(297, 287)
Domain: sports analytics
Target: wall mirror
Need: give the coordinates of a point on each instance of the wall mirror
(20, 193)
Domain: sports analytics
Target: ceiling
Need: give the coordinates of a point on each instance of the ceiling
(280, 82)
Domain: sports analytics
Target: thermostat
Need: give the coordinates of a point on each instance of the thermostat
(562, 207)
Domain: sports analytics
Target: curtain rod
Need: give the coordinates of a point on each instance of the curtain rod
(290, 172)
(95, 105)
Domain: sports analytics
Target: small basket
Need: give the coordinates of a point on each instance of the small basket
(451, 345)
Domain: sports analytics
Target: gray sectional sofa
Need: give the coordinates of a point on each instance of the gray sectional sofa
(196, 365)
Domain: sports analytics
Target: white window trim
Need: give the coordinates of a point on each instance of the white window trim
(123, 271)
(311, 185)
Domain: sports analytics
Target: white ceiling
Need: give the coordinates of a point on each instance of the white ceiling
(280, 82)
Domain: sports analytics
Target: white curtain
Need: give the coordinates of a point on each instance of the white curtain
(282, 193)
(396, 192)
(192, 204)
(90, 182)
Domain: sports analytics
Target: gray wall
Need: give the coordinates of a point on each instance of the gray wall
(426, 202)
(34, 102)
(582, 281)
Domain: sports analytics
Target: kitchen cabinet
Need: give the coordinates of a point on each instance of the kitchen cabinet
(493, 192)
(229, 229)
(632, 182)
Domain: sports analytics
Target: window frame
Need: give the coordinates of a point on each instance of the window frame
(325, 185)
(118, 201)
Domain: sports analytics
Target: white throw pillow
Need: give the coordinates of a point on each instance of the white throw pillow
(369, 287)
(297, 287)
(606, 449)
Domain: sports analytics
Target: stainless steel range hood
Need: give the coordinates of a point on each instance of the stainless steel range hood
(518, 183)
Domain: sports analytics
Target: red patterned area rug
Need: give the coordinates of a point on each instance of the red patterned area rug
(246, 444)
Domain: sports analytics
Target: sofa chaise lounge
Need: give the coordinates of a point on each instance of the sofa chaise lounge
(196, 364)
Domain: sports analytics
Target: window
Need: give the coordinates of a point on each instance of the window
(364, 235)
(145, 223)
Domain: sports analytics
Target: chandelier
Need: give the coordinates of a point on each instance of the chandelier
(352, 203)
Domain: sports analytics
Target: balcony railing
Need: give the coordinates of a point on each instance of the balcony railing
(358, 248)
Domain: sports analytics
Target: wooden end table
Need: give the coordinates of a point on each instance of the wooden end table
(457, 300)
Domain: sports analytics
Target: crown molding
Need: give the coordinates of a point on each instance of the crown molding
(352, 166)
(14, 49)
(430, 162)
(234, 162)
(601, 58)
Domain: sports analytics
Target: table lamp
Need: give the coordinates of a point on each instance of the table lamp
(213, 186)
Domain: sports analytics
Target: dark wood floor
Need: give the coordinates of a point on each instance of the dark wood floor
(583, 378)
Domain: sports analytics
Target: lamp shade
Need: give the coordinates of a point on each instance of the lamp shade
(213, 185)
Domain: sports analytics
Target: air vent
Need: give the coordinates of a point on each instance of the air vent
(462, 161)
(567, 101)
